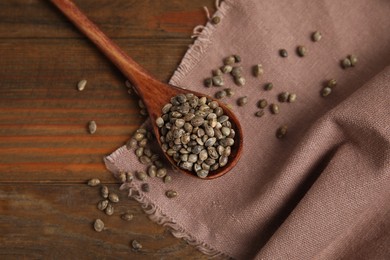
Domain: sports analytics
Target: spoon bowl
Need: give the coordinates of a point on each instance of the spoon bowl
(154, 93)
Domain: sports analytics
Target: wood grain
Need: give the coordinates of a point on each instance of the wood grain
(46, 154)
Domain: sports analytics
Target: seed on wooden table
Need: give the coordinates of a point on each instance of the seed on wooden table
(104, 191)
(171, 194)
(229, 60)
(236, 71)
(331, 83)
(92, 127)
(98, 225)
(217, 72)
(259, 113)
(326, 91)
(353, 59)
(257, 70)
(113, 198)
(292, 97)
(240, 81)
(281, 132)
(81, 84)
(129, 177)
(218, 81)
(152, 171)
(301, 51)
(316, 36)
(145, 187)
(220, 94)
(283, 53)
(167, 179)
(102, 205)
(93, 182)
(274, 109)
(161, 173)
(283, 97)
(346, 63)
(127, 217)
(242, 101)
(237, 58)
(141, 175)
(262, 103)
(215, 20)
(109, 209)
(268, 86)
(121, 176)
(229, 92)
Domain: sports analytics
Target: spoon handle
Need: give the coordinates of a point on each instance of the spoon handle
(134, 72)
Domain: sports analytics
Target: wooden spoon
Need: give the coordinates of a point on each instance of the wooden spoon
(153, 93)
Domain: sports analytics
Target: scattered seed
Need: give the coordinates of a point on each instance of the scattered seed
(104, 191)
(127, 217)
(129, 177)
(281, 132)
(283, 97)
(240, 81)
(353, 59)
(229, 60)
(242, 101)
(145, 160)
(220, 94)
(262, 103)
(207, 82)
(217, 72)
(237, 58)
(268, 86)
(92, 127)
(215, 20)
(283, 53)
(218, 81)
(93, 182)
(152, 171)
(346, 63)
(141, 175)
(113, 198)
(259, 113)
(292, 97)
(102, 205)
(326, 91)
(274, 109)
(98, 225)
(121, 177)
(171, 194)
(236, 71)
(161, 173)
(136, 245)
(316, 36)
(258, 70)
(109, 209)
(167, 179)
(131, 144)
(226, 69)
(145, 187)
(229, 92)
(331, 83)
(81, 84)
(301, 51)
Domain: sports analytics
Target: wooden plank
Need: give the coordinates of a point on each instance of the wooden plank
(55, 222)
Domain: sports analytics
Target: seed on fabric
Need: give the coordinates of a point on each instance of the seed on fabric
(220, 94)
(240, 81)
(237, 58)
(292, 97)
(218, 81)
(141, 175)
(346, 63)
(230, 60)
(326, 91)
(98, 225)
(259, 113)
(136, 245)
(92, 127)
(257, 70)
(217, 72)
(161, 173)
(215, 20)
(262, 103)
(207, 83)
(113, 197)
(281, 132)
(127, 217)
(102, 205)
(226, 69)
(242, 101)
(268, 86)
(236, 71)
(152, 171)
(316, 36)
(274, 109)
(229, 92)
(283, 97)
(353, 59)
(129, 177)
(93, 182)
(171, 194)
(104, 191)
(301, 51)
(139, 151)
(109, 209)
(167, 179)
(331, 83)
(283, 53)
(121, 176)
(81, 84)
(145, 187)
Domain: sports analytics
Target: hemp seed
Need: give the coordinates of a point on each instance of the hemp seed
(301, 51)
(316, 36)
(331, 83)
(283, 53)
(215, 20)
(81, 84)
(257, 70)
(102, 205)
(104, 191)
(274, 109)
(230, 60)
(281, 132)
(262, 103)
(92, 127)
(283, 97)
(127, 217)
(145, 187)
(292, 98)
(93, 182)
(113, 198)
(242, 101)
(240, 81)
(268, 86)
(218, 81)
(346, 63)
(326, 91)
(141, 175)
(353, 59)
(259, 113)
(98, 225)
(207, 83)
(109, 209)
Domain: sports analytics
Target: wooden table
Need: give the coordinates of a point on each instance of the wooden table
(46, 153)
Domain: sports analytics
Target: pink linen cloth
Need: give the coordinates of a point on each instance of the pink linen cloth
(322, 192)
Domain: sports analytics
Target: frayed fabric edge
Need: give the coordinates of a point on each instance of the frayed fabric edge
(199, 47)
(156, 214)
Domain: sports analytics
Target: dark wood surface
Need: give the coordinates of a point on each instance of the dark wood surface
(46, 153)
